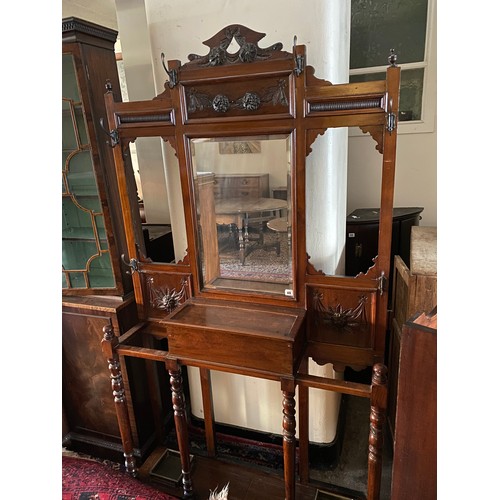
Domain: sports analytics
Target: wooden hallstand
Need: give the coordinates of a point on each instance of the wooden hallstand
(257, 326)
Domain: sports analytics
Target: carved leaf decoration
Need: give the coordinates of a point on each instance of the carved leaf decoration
(377, 134)
(277, 94)
(166, 299)
(197, 101)
(338, 316)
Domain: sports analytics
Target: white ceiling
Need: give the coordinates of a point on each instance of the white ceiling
(101, 12)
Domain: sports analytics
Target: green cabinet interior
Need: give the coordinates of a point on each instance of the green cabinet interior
(85, 251)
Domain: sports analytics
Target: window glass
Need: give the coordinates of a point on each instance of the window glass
(378, 26)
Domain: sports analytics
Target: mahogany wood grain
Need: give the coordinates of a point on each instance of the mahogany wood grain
(218, 332)
(249, 331)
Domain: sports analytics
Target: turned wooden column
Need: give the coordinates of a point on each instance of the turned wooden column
(378, 402)
(180, 419)
(288, 391)
(108, 344)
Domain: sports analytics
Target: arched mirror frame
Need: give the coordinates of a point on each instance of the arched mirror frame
(313, 106)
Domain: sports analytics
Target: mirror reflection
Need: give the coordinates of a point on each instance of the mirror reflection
(242, 190)
(153, 162)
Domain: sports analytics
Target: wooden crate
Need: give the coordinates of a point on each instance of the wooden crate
(415, 290)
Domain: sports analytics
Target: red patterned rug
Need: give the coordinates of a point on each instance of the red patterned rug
(84, 479)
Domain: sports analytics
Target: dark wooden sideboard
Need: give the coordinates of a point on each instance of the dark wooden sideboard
(362, 236)
(241, 185)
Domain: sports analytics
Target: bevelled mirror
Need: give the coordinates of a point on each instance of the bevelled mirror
(243, 207)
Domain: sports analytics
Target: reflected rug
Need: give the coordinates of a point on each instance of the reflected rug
(260, 264)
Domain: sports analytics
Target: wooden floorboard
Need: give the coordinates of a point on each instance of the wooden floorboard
(245, 483)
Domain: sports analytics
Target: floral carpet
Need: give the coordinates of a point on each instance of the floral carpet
(84, 479)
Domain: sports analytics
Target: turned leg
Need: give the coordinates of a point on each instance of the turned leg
(108, 344)
(180, 420)
(378, 401)
(289, 441)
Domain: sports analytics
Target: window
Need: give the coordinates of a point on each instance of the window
(403, 25)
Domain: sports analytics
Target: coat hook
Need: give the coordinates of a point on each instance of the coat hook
(113, 135)
(299, 59)
(391, 118)
(132, 263)
(172, 74)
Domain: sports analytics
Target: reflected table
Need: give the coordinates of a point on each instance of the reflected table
(244, 211)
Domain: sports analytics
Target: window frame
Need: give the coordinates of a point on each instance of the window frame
(427, 122)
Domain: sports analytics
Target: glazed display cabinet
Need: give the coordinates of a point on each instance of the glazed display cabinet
(92, 232)
(97, 292)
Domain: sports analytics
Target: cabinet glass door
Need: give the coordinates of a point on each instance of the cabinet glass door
(86, 261)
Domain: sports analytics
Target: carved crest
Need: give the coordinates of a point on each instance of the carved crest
(248, 41)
